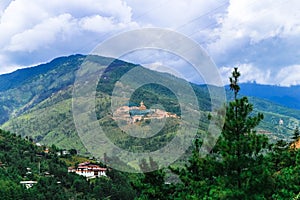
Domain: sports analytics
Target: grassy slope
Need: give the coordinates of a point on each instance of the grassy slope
(51, 121)
(39, 83)
(272, 114)
(51, 124)
(46, 116)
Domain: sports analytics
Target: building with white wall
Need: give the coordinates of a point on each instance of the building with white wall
(88, 170)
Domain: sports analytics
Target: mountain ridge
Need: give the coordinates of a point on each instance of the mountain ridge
(20, 76)
(41, 105)
(286, 96)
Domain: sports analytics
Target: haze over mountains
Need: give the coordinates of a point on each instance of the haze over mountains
(286, 96)
(37, 101)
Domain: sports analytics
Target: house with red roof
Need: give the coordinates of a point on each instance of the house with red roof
(88, 170)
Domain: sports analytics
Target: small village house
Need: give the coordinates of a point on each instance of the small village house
(88, 170)
(28, 184)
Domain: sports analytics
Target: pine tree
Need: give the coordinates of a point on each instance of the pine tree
(286, 162)
(151, 184)
(240, 146)
(235, 169)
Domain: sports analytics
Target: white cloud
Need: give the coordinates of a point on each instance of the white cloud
(47, 29)
(265, 34)
(253, 21)
(54, 27)
(16, 19)
(262, 36)
(3, 5)
(92, 23)
(42, 34)
(249, 73)
(288, 76)
(177, 14)
(22, 15)
(101, 24)
(164, 61)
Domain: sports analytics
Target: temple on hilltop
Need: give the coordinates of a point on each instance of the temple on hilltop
(140, 113)
(142, 106)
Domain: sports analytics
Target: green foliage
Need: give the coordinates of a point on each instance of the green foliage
(117, 187)
(235, 169)
(151, 184)
(18, 157)
(286, 170)
(23, 89)
(242, 165)
(273, 113)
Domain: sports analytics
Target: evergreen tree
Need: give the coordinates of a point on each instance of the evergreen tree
(287, 173)
(239, 145)
(235, 169)
(152, 184)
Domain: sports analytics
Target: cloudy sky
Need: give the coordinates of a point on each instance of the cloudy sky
(262, 38)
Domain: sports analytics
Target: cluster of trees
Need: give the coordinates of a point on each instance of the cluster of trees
(242, 165)
(22, 160)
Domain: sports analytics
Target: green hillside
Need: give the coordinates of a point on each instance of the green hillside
(39, 105)
(50, 120)
(242, 164)
(273, 114)
(25, 88)
(22, 160)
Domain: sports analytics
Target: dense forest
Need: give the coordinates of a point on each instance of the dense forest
(21, 159)
(242, 165)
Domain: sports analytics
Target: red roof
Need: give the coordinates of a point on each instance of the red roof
(88, 165)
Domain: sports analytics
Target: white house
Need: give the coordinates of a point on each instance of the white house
(28, 184)
(280, 122)
(88, 170)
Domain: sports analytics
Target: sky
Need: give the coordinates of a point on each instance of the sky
(261, 38)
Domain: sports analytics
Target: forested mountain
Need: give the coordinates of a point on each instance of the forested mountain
(41, 107)
(242, 165)
(36, 101)
(25, 88)
(285, 96)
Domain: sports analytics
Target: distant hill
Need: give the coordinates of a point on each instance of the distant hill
(42, 106)
(286, 96)
(37, 102)
(25, 88)
(278, 104)
(21, 76)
